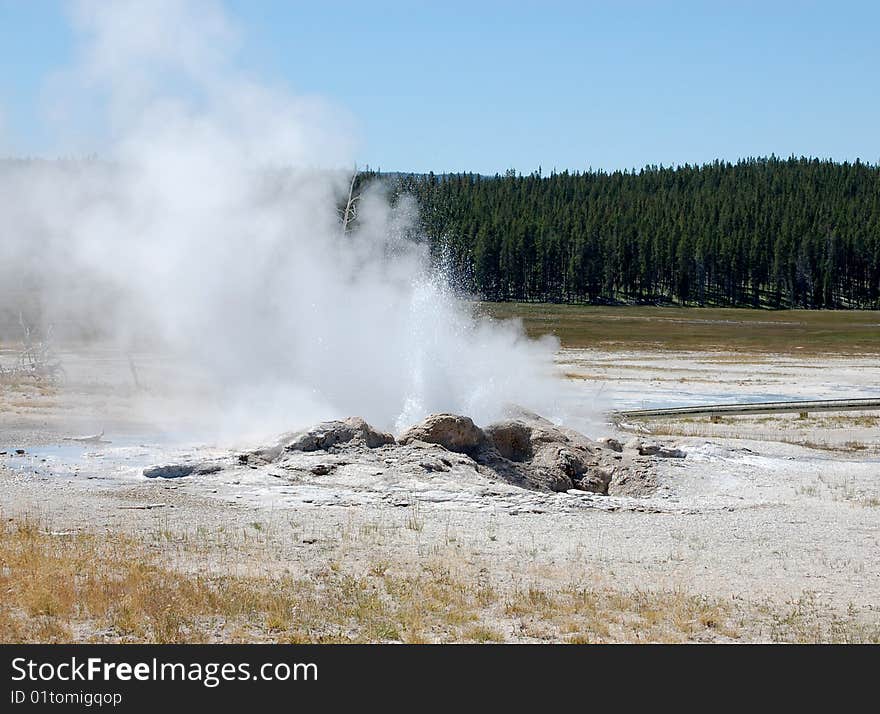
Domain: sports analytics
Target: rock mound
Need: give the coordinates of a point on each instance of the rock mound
(547, 457)
(525, 450)
(511, 438)
(328, 435)
(451, 431)
(182, 470)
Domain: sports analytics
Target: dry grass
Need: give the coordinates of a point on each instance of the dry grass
(84, 587)
(847, 490)
(62, 587)
(589, 615)
(805, 621)
(677, 328)
(826, 433)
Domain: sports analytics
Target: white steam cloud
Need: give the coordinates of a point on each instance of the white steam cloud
(210, 228)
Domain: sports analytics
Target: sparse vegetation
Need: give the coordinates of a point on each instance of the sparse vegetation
(824, 432)
(63, 586)
(414, 575)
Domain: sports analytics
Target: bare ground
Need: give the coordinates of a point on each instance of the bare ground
(755, 536)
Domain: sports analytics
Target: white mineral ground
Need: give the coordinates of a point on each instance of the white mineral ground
(770, 508)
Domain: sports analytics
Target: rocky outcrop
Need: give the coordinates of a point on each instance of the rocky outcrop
(451, 431)
(512, 439)
(525, 450)
(329, 435)
(528, 451)
(611, 443)
(182, 470)
(653, 450)
(547, 457)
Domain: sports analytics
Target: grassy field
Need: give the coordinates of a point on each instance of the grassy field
(61, 586)
(788, 331)
(82, 587)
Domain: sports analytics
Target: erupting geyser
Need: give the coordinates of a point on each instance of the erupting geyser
(209, 230)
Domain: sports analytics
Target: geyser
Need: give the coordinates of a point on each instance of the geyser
(210, 231)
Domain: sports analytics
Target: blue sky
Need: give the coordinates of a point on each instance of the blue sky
(486, 86)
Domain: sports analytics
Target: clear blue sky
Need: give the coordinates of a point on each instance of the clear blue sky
(487, 86)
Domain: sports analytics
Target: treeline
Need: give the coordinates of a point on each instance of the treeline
(761, 232)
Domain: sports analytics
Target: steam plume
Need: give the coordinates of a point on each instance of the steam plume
(210, 229)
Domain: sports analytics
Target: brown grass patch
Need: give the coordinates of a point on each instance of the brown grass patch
(800, 332)
(86, 587)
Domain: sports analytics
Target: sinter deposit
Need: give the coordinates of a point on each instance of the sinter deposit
(524, 450)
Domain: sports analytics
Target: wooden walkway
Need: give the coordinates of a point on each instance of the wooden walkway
(717, 410)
